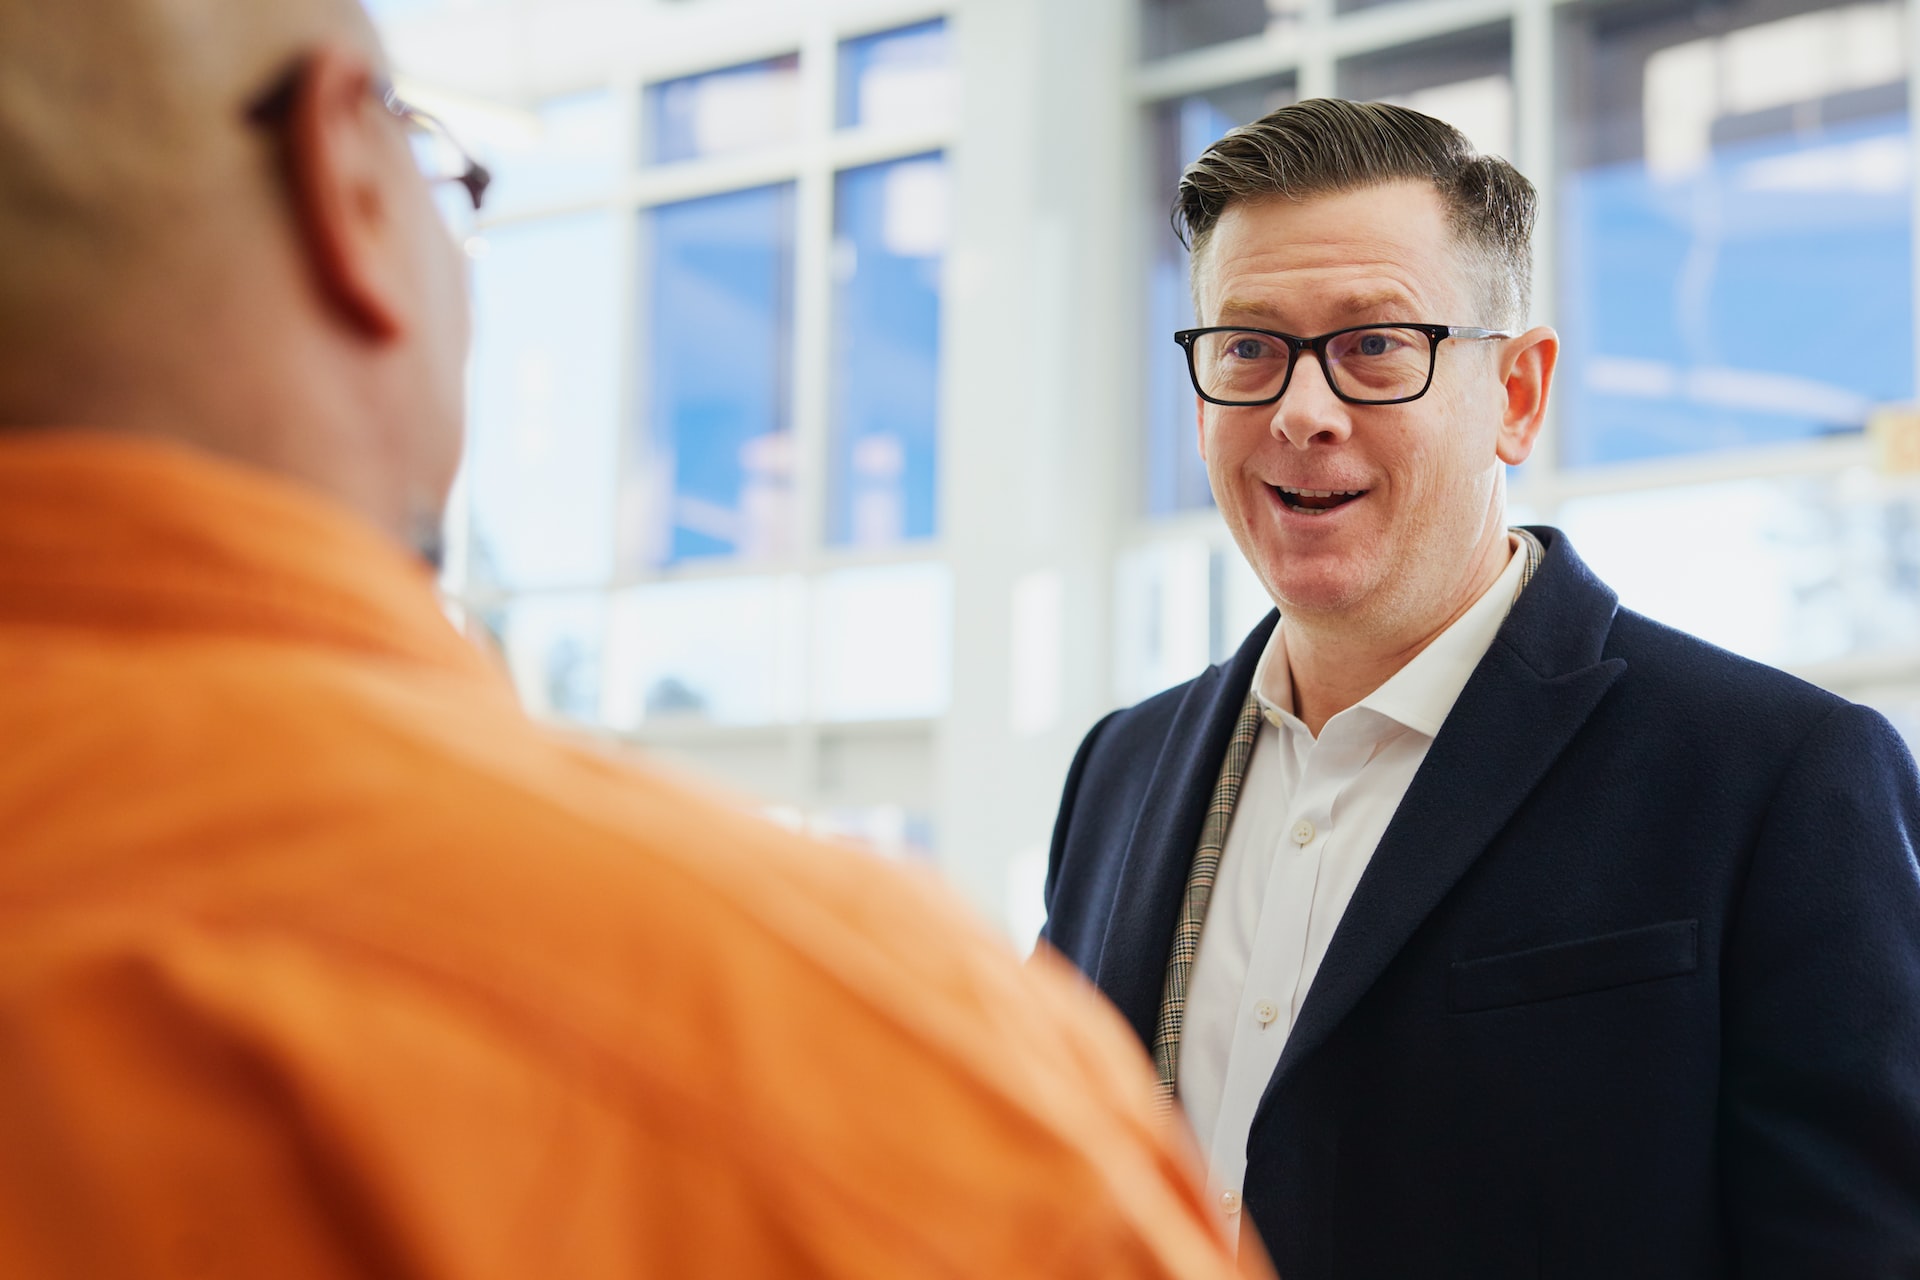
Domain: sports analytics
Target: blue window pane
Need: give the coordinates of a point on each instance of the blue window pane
(898, 78)
(891, 234)
(573, 148)
(739, 109)
(1737, 252)
(1176, 478)
(544, 415)
(716, 478)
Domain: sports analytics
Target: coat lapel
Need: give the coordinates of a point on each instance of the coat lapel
(1527, 699)
(1153, 875)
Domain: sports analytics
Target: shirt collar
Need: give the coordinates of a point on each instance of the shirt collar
(132, 535)
(1422, 693)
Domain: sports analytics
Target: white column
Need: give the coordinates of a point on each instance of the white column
(1536, 113)
(1043, 285)
(1319, 68)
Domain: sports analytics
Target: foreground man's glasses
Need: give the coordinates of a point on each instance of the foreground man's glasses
(441, 158)
(1367, 364)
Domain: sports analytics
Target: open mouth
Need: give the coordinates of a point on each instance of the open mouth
(1314, 502)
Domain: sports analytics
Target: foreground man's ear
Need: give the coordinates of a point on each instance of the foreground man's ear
(1526, 372)
(340, 164)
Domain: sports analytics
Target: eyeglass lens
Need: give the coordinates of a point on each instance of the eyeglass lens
(436, 153)
(1384, 363)
(442, 163)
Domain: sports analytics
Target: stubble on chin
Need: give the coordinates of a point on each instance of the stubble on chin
(1333, 594)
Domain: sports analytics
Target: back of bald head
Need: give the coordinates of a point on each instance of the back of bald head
(126, 160)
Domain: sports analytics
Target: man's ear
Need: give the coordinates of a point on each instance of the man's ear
(1526, 374)
(340, 152)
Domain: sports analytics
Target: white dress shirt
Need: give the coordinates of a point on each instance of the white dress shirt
(1311, 812)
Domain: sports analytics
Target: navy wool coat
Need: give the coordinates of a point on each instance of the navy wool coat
(1630, 988)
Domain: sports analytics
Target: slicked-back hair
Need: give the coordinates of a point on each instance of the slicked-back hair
(1329, 146)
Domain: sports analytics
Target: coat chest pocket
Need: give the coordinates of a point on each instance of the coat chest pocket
(1573, 968)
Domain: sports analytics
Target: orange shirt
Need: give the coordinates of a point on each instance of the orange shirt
(320, 960)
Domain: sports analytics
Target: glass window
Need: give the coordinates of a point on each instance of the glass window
(724, 650)
(1024, 907)
(566, 149)
(1788, 571)
(554, 645)
(1464, 79)
(882, 642)
(1177, 607)
(714, 475)
(890, 237)
(1737, 230)
(745, 108)
(1164, 620)
(1240, 602)
(888, 829)
(384, 11)
(1899, 704)
(1175, 26)
(1175, 477)
(898, 79)
(544, 403)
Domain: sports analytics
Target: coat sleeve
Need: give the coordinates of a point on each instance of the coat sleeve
(1056, 852)
(1820, 1110)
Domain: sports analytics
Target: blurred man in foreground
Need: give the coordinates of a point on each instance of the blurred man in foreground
(320, 960)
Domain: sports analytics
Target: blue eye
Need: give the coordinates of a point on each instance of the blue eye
(1247, 349)
(1373, 344)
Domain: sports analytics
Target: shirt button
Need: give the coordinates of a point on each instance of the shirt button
(1265, 1012)
(1230, 1202)
(1303, 832)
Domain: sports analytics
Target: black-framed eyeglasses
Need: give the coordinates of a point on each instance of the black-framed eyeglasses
(1365, 364)
(439, 154)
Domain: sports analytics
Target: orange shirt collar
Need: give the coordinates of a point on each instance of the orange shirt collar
(130, 534)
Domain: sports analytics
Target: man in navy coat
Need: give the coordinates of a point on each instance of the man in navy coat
(1482, 928)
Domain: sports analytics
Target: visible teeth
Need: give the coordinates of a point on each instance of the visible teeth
(1323, 493)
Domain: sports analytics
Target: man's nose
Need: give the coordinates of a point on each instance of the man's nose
(1309, 413)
